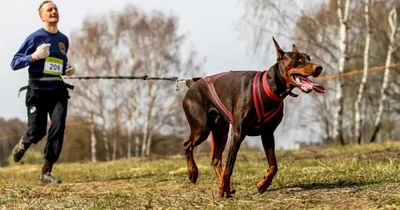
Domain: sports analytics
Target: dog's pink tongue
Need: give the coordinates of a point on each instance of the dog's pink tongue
(319, 88)
(307, 85)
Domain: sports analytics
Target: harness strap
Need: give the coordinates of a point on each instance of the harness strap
(210, 84)
(268, 90)
(263, 116)
(257, 95)
(269, 115)
(69, 86)
(22, 89)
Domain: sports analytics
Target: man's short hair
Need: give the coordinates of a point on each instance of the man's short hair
(43, 3)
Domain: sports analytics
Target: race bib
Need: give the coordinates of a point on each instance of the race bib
(53, 66)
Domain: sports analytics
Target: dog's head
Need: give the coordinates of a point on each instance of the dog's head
(295, 67)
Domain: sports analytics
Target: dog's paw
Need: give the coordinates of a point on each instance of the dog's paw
(263, 185)
(232, 190)
(193, 175)
(224, 194)
(225, 190)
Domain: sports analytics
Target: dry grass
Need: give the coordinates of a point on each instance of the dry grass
(356, 177)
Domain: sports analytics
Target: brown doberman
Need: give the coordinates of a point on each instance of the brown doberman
(252, 102)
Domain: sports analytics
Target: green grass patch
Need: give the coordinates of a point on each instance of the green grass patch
(353, 177)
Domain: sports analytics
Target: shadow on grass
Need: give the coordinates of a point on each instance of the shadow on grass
(329, 185)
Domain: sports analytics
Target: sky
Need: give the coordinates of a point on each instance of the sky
(212, 27)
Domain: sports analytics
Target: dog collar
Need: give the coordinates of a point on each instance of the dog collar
(267, 90)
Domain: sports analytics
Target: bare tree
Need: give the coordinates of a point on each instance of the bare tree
(316, 32)
(343, 14)
(130, 42)
(393, 27)
(357, 105)
(93, 139)
(91, 56)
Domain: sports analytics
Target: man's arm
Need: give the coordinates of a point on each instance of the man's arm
(24, 56)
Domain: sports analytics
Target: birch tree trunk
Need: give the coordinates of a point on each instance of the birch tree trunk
(149, 144)
(137, 146)
(129, 144)
(338, 116)
(147, 129)
(115, 136)
(357, 105)
(327, 116)
(115, 146)
(145, 136)
(93, 140)
(135, 137)
(105, 140)
(132, 116)
(393, 26)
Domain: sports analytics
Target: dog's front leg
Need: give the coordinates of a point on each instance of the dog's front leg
(236, 140)
(268, 141)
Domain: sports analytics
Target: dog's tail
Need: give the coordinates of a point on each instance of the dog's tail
(190, 82)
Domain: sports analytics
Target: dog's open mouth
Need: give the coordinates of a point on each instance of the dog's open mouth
(305, 84)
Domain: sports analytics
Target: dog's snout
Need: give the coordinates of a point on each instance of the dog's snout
(318, 68)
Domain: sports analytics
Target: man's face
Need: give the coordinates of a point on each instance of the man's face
(49, 13)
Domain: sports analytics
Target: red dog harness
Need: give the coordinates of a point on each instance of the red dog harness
(210, 83)
(263, 116)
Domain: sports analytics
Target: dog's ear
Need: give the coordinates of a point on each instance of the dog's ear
(279, 51)
(294, 48)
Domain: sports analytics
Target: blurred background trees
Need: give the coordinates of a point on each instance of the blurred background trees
(337, 39)
(113, 119)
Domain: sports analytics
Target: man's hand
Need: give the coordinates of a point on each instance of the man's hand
(69, 70)
(41, 52)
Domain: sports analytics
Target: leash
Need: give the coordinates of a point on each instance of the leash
(145, 77)
(103, 77)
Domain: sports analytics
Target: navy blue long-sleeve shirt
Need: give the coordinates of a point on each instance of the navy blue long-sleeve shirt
(54, 65)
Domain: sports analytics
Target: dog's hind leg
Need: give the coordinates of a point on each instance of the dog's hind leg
(199, 131)
(194, 140)
(219, 136)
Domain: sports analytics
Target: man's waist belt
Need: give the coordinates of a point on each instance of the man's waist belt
(36, 82)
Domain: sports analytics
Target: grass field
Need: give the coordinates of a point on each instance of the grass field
(356, 177)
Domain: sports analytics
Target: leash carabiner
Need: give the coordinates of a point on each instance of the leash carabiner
(177, 83)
